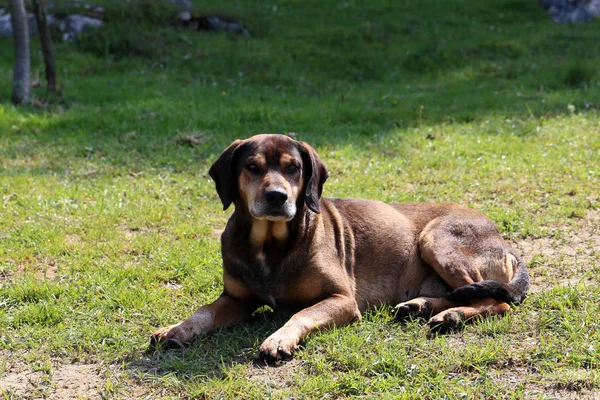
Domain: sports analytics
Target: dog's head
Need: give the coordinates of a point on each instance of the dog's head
(272, 174)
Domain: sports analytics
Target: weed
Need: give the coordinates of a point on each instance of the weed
(580, 73)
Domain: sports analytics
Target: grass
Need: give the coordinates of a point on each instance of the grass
(108, 225)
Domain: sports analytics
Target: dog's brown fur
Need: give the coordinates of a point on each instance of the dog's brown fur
(325, 261)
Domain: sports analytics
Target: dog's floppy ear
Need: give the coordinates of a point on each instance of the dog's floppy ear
(224, 173)
(315, 175)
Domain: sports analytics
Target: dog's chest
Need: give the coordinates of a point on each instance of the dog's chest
(267, 277)
(275, 280)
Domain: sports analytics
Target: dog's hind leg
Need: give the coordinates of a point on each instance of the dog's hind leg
(429, 302)
(466, 251)
(452, 318)
(466, 248)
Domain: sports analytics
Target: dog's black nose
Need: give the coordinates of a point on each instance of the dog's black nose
(276, 197)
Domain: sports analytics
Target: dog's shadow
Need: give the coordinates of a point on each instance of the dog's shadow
(209, 355)
(213, 355)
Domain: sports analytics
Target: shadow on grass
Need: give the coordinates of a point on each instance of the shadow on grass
(212, 355)
(39, 144)
(368, 70)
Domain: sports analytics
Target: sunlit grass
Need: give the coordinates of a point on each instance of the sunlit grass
(109, 228)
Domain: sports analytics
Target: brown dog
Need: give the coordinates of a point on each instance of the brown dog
(325, 261)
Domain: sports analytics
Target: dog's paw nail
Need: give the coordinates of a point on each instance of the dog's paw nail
(406, 310)
(174, 344)
(159, 339)
(271, 357)
(266, 357)
(411, 310)
(446, 323)
(284, 354)
(454, 319)
(401, 312)
(155, 342)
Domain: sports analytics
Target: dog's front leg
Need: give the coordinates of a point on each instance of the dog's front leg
(333, 311)
(224, 311)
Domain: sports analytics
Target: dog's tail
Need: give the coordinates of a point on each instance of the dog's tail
(512, 292)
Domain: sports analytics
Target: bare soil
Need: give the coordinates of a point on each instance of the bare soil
(569, 260)
(93, 381)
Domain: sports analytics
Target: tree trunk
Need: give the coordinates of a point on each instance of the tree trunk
(18, 18)
(39, 9)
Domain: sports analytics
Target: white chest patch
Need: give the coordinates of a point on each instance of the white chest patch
(259, 231)
(279, 230)
(262, 230)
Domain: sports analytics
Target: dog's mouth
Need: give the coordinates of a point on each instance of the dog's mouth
(285, 212)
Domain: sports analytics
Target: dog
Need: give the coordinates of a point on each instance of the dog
(325, 261)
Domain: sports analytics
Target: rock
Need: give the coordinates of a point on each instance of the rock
(217, 24)
(185, 16)
(74, 25)
(6, 24)
(570, 11)
(211, 23)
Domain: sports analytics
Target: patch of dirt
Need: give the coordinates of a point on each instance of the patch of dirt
(48, 274)
(78, 380)
(173, 286)
(535, 386)
(276, 377)
(91, 381)
(190, 139)
(571, 260)
(42, 269)
(23, 384)
(18, 380)
(72, 239)
(129, 232)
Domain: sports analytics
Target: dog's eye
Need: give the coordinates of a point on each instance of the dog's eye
(252, 167)
(293, 168)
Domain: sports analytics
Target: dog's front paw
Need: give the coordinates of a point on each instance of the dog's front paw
(280, 346)
(172, 337)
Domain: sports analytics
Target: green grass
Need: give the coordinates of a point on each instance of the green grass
(107, 224)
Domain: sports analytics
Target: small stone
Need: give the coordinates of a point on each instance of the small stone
(75, 25)
(572, 11)
(185, 16)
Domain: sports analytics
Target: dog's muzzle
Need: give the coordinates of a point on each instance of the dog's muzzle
(274, 206)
